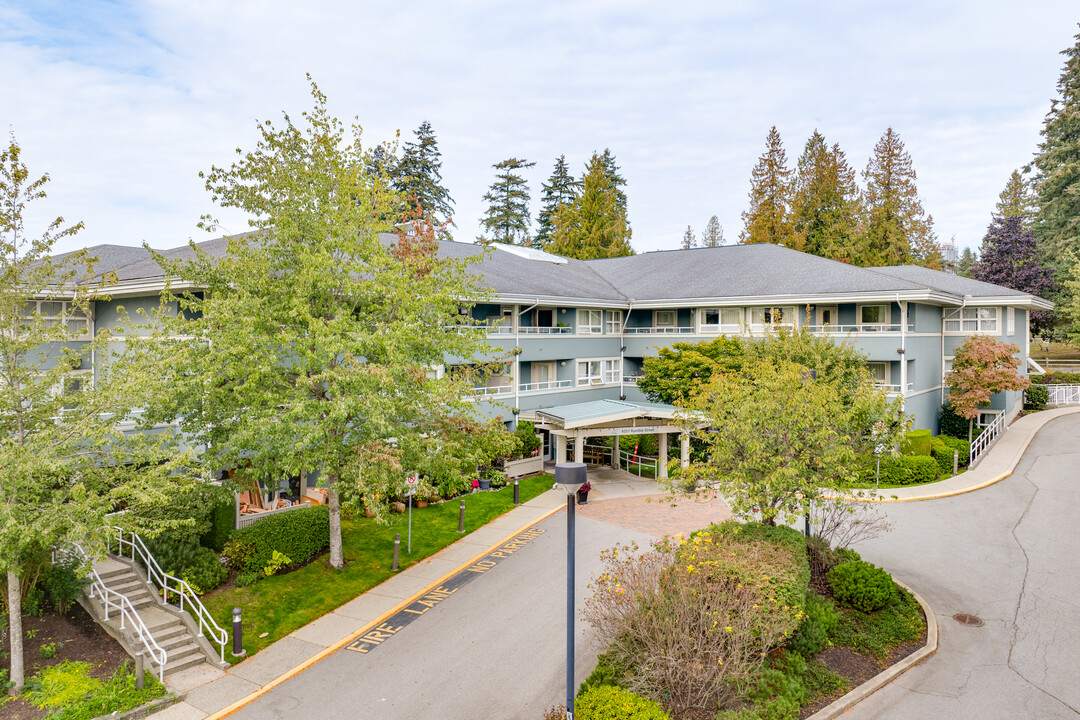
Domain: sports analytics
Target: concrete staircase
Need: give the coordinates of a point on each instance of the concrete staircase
(174, 631)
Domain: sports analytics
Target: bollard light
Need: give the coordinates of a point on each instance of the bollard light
(517, 496)
(237, 634)
(397, 549)
(461, 517)
(140, 669)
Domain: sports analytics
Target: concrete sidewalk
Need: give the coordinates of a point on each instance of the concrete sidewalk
(996, 464)
(216, 694)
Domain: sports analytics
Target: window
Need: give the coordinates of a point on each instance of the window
(972, 320)
(598, 372)
(873, 317)
(1011, 320)
(56, 312)
(590, 322)
(614, 322)
(826, 316)
(762, 317)
(664, 318)
(721, 320)
(879, 371)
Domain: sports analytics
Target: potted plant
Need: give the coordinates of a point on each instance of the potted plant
(583, 493)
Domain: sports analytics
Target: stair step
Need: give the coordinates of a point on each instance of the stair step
(173, 643)
(175, 667)
(128, 585)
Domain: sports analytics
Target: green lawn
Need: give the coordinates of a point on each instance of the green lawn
(283, 603)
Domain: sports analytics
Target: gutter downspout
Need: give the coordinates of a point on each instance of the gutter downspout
(622, 353)
(903, 347)
(517, 354)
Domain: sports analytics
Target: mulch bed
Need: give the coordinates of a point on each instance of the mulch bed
(83, 640)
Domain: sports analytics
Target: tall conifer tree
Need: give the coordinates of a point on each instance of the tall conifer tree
(1016, 199)
(1057, 165)
(560, 189)
(594, 224)
(966, 266)
(714, 233)
(419, 177)
(607, 160)
(768, 219)
(507, 215)
(897, 230)
(688, 239)
(825, 201)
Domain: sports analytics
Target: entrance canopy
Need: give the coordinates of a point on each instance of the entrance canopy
(606, 418)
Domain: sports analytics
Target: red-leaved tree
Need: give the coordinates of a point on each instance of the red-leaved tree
(982, 366)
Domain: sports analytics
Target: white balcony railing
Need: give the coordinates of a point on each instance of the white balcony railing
(631, 379)
(493, 390)
(858, 328)
(546, 330)
(659, 331)
(546, 385)
(894, 389)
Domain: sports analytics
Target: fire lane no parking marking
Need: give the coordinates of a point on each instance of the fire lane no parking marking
(392, 625)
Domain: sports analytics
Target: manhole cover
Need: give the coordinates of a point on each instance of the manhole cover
(967, 619)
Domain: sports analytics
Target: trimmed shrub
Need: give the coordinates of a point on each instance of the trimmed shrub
(907, 470)
(525, 432)
(1036, 397)
(788, 580)
(608, 702)
(222, 516)
(845, 554)
(943, 456)
(300, 534)
(961, 445)
(916, 442)
(238, 553)
(205, 572)
(951, 423)
(820, 621)
(1056, 377)
(860, 585)
(608, 671)
(63, 583)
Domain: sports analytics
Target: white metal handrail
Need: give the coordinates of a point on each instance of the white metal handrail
(128, 614)
(181, 588)
(630, 459)
(1063, 394)
(546, 385)
(987, 436)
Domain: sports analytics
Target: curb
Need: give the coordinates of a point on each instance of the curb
(1018, 456)
(146, 709)
(328, 651)
(842, 704)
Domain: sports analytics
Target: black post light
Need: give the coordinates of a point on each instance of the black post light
(570, 477)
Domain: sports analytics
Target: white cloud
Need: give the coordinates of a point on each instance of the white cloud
(124, 103)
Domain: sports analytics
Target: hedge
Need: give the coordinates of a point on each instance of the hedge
(300, 534)
(942, 448)
(916, 442)
(906, 470)
(222, 516)
(608, 702)
(951, 423)
(1036, 397)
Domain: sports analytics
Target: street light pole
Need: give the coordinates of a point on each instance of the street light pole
(570, 477)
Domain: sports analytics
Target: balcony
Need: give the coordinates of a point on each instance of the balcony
(546, 330)
(894, 389)
(858, 328)
(632, 379)
(493, 391)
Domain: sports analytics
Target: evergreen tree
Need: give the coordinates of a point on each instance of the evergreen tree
(688, 240)
(507, 216)
(560, 189)
(896, 229)
(769, 218)
(594, 224)
(419, 177)
(825, 201)
(607, 159)
(381, 162)
(1016, 199)
(1057, 165)
(714, 233)
(966, 266)
(1009, 257)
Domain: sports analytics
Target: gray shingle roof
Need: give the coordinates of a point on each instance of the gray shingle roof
(738, 271)
(946, 282)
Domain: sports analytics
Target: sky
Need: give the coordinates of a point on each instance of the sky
(124, 103)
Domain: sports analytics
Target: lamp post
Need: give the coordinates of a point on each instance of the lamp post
(570, 476)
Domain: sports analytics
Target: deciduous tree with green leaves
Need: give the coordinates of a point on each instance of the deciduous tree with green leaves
(311, 344)
(507, 215)
(768, 219)
(776, 436)
(678, 371)
(66, 461)
(981, 367)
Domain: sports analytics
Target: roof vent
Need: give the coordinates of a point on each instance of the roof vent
(530, 253)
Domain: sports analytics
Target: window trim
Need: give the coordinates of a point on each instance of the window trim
(756, 326)
(719, 327)
(613, 322)
(871, 326)
(586, 326)
(1010, 322)
(607, 375)
(958, 318)
(674, 318)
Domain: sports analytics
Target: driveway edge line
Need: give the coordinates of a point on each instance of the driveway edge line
(842, 704)
(328, 651)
